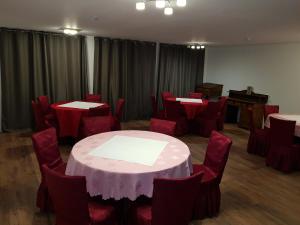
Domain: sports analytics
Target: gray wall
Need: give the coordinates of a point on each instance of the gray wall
(272, 69)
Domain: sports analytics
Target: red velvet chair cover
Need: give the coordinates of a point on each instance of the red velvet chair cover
(283, 154)
(163, 126)
(116, 119)
(172, 203)
(92, 98)
(44, 102)
(207, 121)
(46, 149)
(164, 96)
(259, 141)
(222, 112)
(208, 201)
(198, 95)
(175, 112)
(38, 117)
(99, 111)
(95, 125)
(269, 109)
(71, 201)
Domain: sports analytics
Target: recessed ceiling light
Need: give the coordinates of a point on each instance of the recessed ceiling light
(181, 3)
(70, 31)
(198, 46)
(168, 11)
(160, 4)
(202, 47)
(140, 6)
(193, 47)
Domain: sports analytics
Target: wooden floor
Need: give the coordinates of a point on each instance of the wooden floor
(252, 194)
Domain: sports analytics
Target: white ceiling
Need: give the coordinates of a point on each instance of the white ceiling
(223, 22)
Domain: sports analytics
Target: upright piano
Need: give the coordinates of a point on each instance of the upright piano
(238, 104)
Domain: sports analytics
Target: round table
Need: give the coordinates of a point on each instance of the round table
(119, 179)
(192, 109)
(69, 119)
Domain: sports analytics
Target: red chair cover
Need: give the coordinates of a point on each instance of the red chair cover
(283, 154)
(46, 149)
(102, 110)
(163, 126)
(116, 120)
(208, 201)
(38, 116)
(172, 202)
(95, 125)
(207, 121)
(259, 141)
(198, 95)
(155, 112)
(71, 201)
(92, 98)
(175, 112)
(222, 112)
(164, 96)
(269, 109)
(44, 102)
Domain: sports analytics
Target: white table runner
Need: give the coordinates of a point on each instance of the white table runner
(136, 150)
(81, 105)
(194, 100)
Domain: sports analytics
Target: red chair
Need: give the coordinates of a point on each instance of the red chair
(155, 112)
(259, 141)
(39, 119)
(208, 201)
(197, 95)
(116, 119)
(94, 125)
(72, 204)
(163, 126)
(283, 154)
(222, 112)
(164, 96)
(46, 149)
(99, 111)
(175, 112)
(172, 202)
(92, 98)
(269, 109)
(207, 121)
(44, 102)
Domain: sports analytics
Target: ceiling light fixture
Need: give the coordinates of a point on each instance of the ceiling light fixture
(196, 46)
(161, 4)
(70, 31)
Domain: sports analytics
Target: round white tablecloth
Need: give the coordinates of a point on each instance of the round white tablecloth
(119, 179)
(285, 117)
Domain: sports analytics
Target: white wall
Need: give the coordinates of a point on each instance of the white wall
(271, 69)
(90, 46)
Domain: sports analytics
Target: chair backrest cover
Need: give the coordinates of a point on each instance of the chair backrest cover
(174, 110)
(99, 111)
(44, 102)
(119, 108)
(163, 126)
(198, 95)
(269, 109)
(217, 153)
(174, 199)
(38, 116)
(46, 148)
(281, 132)
(92, 98)
(69, 196)
(165, 95)
(95, 125)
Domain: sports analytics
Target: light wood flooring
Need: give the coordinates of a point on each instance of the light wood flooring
(252, 194)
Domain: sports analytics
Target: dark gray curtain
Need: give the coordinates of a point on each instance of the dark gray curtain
(39, 63)
(125, 69)
(180, 69)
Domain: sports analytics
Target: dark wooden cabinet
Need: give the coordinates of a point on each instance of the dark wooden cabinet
(238, 104)
(210, 90)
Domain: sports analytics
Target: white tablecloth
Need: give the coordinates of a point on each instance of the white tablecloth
(285, 117)
(119, 179)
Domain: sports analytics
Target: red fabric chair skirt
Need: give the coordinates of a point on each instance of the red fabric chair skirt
(69, 120)
(192, 109)
(258, 142)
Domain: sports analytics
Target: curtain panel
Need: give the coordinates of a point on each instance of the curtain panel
(39, 63)
(125, 69)
(180, 69)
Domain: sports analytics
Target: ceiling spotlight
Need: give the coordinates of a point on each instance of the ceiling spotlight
(198, 46)
(181, 3)
(168, 11)
(70, 31)
(193, 47)
(202, 47)
(160, 4)
(140, 6)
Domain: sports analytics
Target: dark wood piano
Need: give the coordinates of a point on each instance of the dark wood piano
(238, 104)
